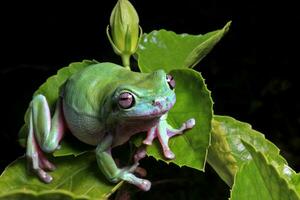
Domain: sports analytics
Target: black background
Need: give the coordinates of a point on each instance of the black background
(252, 72)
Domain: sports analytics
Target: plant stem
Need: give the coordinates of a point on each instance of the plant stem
(126, 61)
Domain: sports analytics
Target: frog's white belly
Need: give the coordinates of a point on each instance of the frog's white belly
(87, 129)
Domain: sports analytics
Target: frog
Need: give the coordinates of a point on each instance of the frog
(104, 105)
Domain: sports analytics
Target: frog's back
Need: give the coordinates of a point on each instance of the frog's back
(83, 96)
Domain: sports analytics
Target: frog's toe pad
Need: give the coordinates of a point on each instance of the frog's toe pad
(144, 185)
(147, 142)
(45, 177)
(169, 154)
(190, 123)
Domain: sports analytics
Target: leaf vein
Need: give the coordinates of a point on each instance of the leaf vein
(73, 174)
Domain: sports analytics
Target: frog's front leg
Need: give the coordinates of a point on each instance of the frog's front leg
(44, 135)
(109, 168)
(163, 131)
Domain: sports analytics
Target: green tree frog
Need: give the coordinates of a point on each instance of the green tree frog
(104, 105)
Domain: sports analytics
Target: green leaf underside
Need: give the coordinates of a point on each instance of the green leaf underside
(167, 50)
(74, 178)
(227, 153)
(259, 179)
(193, 101)
(50, 89)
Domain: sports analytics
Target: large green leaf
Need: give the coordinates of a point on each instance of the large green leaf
(50, 89)
(193, 101)
(167, 50)
(74, 178)
(227, 153)
(259, 179)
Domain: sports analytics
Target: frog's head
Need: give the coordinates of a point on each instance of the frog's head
(148, 96)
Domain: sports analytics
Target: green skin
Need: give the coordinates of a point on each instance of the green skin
(89, 106)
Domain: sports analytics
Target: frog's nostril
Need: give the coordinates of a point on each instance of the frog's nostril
(157, 102)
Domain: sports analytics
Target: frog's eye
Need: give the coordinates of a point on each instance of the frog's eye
(126, 100)
(170, 81)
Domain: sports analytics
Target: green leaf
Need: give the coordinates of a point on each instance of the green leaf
(167, 50)
(74, 178)
(193, 101)
(50, 89)
(227, 153)
(296, 182)
(260, 179)
(24, 195)
(72, 146)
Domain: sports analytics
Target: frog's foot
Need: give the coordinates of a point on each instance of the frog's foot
(111, 171)
(127, 176)
(164, 132)
(39, 164)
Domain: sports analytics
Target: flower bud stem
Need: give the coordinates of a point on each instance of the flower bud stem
(126, 61)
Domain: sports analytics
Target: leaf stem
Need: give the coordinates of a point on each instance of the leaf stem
(126, 61)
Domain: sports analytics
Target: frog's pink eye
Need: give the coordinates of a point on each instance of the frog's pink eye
(126, 100)
(171, 81)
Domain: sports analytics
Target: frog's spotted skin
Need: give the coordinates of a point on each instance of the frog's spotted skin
(104, 105)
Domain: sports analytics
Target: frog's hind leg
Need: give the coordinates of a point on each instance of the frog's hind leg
(44, 135)
(114, 174)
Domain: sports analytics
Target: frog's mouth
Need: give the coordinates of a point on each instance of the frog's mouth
(156, 112)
